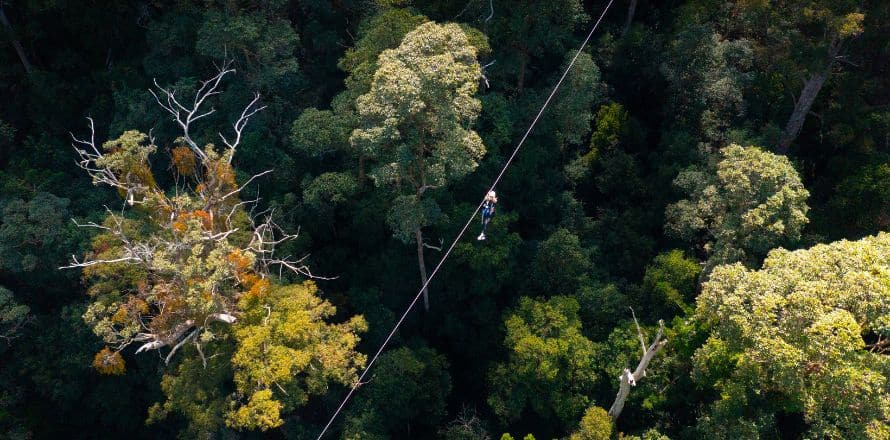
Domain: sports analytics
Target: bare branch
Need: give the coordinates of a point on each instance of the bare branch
(844, 60)
(220, 236)
(201, 352)
(75, 263)
(639, 331)
(250, 110)
(240, 187)
(176, 347)
(153, 345)
(296, 267)
(132, 252)
(185, 116)
(235, 207)
(423, 188)
(88, 154)
(437, 248)
(11, 332)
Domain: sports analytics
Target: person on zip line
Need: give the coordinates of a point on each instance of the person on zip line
(488, 206)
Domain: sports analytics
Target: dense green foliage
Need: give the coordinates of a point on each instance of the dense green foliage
(796, 331)
(721, 165)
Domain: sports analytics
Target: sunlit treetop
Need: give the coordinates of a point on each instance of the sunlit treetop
(738, 209)
(812, 328)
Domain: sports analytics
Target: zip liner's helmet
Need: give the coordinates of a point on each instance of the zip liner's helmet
(492, 194)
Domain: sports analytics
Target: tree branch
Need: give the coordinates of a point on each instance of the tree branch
(239, 125)
(639, 331)
(185, 116)
(176, 347)
(628, 379)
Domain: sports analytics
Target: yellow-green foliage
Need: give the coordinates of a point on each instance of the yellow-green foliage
(262, 412)
(551, 367)
(197, 392)
(185, 268)
(286, 352)
(127, 157)
(798, 328)
(595, 425)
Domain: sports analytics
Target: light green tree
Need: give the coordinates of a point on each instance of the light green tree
(551, 367)
(416, 125)
(669, 283)
(810, 330)
(595, 425)
(325, 133)
(749, 202)
(286, 352)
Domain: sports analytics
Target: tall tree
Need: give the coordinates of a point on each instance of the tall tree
(741, 207)
(802, 40)
(416, 125)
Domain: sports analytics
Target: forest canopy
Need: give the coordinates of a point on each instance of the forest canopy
(213, 213)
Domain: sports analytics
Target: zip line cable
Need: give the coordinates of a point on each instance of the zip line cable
(464, 229)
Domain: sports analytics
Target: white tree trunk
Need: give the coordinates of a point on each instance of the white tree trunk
(223, 317)
(628, 379)
(158, 341)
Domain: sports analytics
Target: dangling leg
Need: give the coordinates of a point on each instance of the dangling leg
(485, 221)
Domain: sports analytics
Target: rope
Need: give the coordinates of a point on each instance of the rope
(464, 229)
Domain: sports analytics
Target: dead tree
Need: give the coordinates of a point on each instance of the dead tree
(627, 378)
(193, 228)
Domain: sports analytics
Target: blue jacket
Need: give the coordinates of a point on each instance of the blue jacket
(488, 208)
